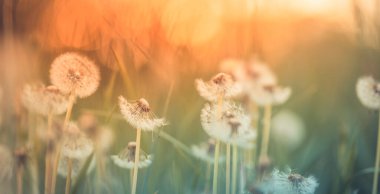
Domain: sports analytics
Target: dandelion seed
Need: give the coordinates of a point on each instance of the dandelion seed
(6, 164)
(270, 94)
(75, 74)
(289, 183)
(126, 158)
(249, 75)
(205, 151)
(44, 100)
(288, 128)
(75, 144)
(76, 166)
(368, 91)
(220, 85)
(139, 114)
(233, 127)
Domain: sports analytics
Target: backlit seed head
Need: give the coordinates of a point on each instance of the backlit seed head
(76, 166)
(126, 158)
(205, 151)
(270, 94)
(74, 73)
(6, 164)
(221, 85)
(75, 143)
(289, 183)
(44, 100)
(232, 125)
(139, 114)
(368, 91)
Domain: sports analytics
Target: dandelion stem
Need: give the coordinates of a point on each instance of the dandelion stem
(68, 177)
(228, 167)
(377, 163)
(20, 174)
(137, 158)
(48, 155)
(234, 167)
(266, 131)
(58, 150)
(208, 174)
(216, 162)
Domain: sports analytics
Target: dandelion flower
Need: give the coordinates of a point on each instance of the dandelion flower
(139, 114)
(75, 144)
(126, 158)
(289, 183)
(44, 100)
(75, 74)
(205, 151)
(6, 164)
(259, 73)
(270, 94)
(220, 85)
(288, 128)
(368, 91)
(76, 166)
(232, 127)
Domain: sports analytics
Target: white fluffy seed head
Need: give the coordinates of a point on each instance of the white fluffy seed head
(289, 183)
(368, 91)
(75, 144)
(76, 166)
(139, 114)
(44, 100)
(288, 129)
(270, 94)
(230, 124)
(126, 158)
(220, 85)
(205, 151)
(74, 73)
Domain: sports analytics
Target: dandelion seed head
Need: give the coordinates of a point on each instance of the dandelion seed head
(220, 85)
(368, 92)
(74, 73)
(289, 183)
(288, 129)
(6, 164)
(76, 166)
(205, 151)
(75, 144)
(139, 114)
(270, 94)
(44, 100)
(126, 158)
(232, 127)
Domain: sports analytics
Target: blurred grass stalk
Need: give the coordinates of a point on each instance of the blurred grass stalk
(377, 163)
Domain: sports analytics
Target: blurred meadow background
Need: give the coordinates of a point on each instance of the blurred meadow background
(155, 49)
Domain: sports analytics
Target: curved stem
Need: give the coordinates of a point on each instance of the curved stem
(234, 167)
(377, 163)
(137, 158)
(68, 177)
(228, 167)
(266, 131)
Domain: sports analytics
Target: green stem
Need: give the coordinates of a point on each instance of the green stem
(228, 167)
(68, 177)
(376, 172)
(266, 131)
(216, 162)
(208, 174)
(234, 167)
(137, 158)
